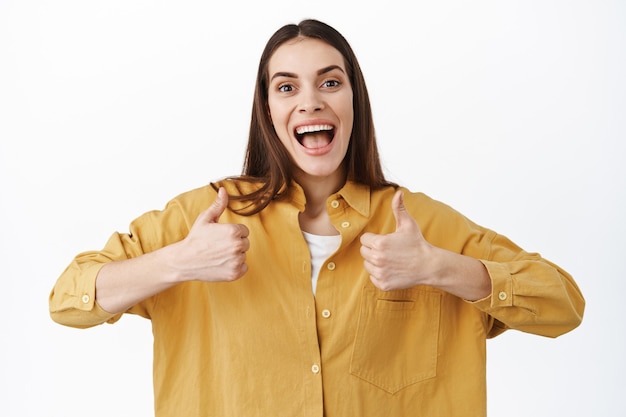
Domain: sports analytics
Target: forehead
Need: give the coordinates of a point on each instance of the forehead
(304, 54)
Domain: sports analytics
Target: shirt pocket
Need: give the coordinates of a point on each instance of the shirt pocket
(397, 337)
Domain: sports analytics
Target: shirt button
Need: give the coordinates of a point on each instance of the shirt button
(502, 296)
(315, 369)
(331, 266)
(334, 204)
(85, 298)
(326, 313)
(345, 224)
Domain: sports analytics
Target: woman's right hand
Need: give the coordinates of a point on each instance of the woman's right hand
(212, 251)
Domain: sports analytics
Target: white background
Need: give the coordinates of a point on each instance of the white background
(510, 111)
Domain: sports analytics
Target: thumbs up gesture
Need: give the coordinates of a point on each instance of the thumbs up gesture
(400, 259)
(213, 251)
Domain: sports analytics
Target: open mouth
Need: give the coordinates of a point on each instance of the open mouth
(315, 136)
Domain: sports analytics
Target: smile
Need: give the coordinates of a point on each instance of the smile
(315, 136)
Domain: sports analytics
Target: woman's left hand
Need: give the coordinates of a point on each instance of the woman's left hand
(404, 259)
(401, 259)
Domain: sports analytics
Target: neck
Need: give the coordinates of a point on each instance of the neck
(318, 189)
(314, 219)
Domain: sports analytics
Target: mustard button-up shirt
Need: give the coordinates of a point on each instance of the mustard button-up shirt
(265, 346)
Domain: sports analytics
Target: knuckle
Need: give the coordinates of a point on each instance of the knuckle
(383, 244)
(378, 283)
(233, 232)
(237, 269)
(377, 258)
(239, 246)
(232, 275)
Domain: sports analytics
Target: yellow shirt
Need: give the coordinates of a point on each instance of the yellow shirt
(265, 346)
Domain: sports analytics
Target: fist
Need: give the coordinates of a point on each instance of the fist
(213, 251)
(397, 260)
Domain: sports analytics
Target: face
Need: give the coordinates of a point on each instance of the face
(310, 105)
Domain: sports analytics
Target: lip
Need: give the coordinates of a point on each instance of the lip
(314, 122)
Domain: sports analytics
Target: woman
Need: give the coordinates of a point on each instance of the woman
(311, 286)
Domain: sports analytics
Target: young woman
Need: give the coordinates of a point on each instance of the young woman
(310, 285)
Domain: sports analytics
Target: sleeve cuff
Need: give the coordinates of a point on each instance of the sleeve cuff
(76, 306)
(501, 287)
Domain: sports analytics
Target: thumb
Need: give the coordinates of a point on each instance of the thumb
(215, 210)
(403, 218)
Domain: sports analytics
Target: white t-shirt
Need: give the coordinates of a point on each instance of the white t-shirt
(321, 248)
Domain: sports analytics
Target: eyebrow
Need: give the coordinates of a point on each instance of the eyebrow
(319, 72)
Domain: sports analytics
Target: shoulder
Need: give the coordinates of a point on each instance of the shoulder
(417, 203)
(194, 200)
(440, 223)
(206, 194)
(242, 193)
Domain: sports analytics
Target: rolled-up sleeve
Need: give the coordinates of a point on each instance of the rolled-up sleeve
(529, 293)
(73, 300)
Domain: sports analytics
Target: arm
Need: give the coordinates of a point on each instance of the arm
(99, 285)
(517, 289)
(211, 252)
(404, 259)
(529, 293)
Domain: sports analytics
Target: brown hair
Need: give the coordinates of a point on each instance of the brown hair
(267, 161)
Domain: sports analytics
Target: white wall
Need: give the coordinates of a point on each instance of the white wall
(512, 112)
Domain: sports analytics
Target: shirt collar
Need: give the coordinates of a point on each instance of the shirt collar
(356, 195)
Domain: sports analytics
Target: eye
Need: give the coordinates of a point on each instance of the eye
(331, 83)
(285, 88)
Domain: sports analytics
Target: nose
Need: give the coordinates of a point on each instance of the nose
(310, 101)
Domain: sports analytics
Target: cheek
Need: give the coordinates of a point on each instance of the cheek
(277, 115)
(348, 120)
(347, 112)
(279, 121)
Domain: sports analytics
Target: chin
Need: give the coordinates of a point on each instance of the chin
(321, 172)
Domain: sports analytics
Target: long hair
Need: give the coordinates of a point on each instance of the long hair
(267, 162)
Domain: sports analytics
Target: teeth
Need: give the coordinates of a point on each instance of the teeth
(313, 128)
